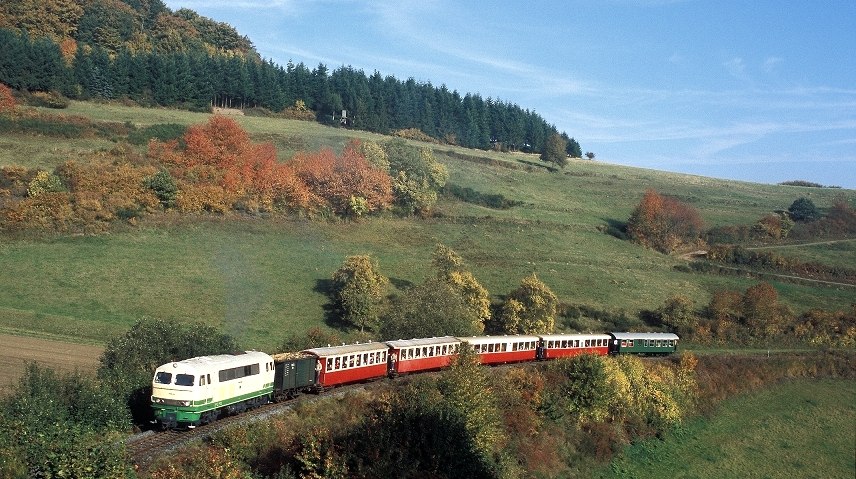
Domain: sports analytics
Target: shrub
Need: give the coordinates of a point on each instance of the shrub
(804, 183)
(803, 210)
(469, 195)
(7, 100)
(44, 182)
(49, 100)
(161, 132)
(164, 187)
(414, 134)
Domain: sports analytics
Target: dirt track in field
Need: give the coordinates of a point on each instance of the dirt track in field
(17, 351)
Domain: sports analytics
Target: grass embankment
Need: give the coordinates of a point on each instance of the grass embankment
(261, 279)
(800, 428)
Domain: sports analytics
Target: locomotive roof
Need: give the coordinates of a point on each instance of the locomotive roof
(404, 343)
(346, 349)
(217, 360)
(644, 336)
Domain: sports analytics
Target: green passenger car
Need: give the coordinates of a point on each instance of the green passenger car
(643, 343)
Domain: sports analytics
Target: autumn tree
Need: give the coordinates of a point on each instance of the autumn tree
(446, 261)
(348, 183)
(54, 19)
(7, 100)
(216, 167)
(450, 269)
(530, 309)
(373, 152)
(468, 398)
(678, 313)
(762, 313)
(663, 223)
(584, 392)
(555, 151)
(827, 328)
(773, 226)
(358, 288)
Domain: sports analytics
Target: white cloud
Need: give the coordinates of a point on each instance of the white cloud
(771, 63)
(736, 68)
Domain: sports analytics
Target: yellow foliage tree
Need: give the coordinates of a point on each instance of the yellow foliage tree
(540, 305)
(450, 269)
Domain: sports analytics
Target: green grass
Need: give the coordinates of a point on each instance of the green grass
(46, 153)
(799, 429)
(839, 252)
(262, 279)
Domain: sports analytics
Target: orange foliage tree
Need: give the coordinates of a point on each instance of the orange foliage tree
(7, 100)
(663, 223)
(219, 168)
(348, 184)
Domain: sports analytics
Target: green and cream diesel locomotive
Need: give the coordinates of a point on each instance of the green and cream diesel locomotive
(198, 390)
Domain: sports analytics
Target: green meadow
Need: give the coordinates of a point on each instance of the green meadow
(799, 429)
(261, 279)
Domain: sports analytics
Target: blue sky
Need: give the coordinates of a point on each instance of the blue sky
(758, 90)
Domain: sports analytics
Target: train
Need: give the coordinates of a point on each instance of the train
(196, 391)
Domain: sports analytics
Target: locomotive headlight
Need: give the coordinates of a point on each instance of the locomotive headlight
(185, 403)
(157, 400)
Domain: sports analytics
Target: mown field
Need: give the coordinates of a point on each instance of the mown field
(61, 356)
(261, 279)
(796, 429)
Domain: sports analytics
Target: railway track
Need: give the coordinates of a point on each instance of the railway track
(146, 448)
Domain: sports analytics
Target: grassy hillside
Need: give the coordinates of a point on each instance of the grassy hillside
(251, 276)
(797, 429)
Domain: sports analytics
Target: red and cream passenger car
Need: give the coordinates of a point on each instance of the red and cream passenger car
(569, 345)
(504, 349)
(350, 363)
(417, 355)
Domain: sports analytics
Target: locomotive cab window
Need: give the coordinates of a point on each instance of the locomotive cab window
(184, 379)
(163, 378)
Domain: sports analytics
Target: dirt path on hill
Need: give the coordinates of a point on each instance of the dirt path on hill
(17, 351)
(797, 245)
(700, 254)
